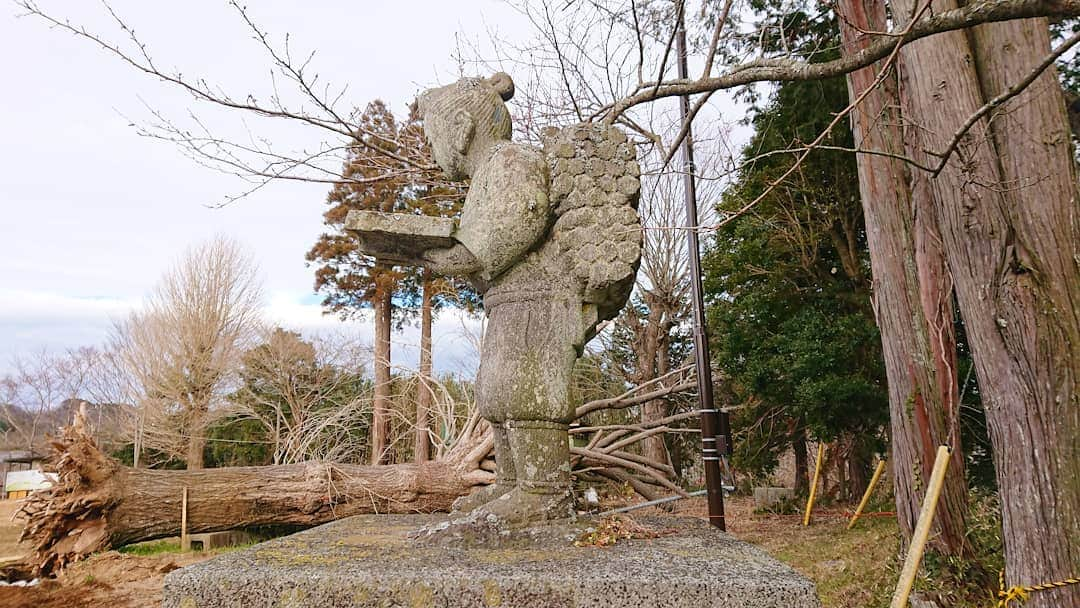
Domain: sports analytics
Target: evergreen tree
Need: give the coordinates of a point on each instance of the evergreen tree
(350, 281)
(788, 287)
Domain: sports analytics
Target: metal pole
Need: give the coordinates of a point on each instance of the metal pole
(714, 427)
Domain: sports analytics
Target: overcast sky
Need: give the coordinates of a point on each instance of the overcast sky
(93, 213)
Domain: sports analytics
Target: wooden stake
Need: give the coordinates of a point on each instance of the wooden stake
(866, 496)
(185, 540)
(813, 486)
(922, 529)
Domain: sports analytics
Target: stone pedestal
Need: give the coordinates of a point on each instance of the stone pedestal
(374, 561)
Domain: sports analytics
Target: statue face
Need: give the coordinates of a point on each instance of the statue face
(449, 134)
(459, 116)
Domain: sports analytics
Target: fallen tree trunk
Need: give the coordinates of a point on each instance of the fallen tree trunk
(98, 503)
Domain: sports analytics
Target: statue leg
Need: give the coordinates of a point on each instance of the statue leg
(488, 397)
(535, 345)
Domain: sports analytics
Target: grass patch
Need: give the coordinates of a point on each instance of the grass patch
(851, 568)
(156, 547)
(859, 568)
(236, 547)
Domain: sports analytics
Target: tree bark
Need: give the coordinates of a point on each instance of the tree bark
(858, 467)
(424, 396)
(652, 342)
(802, 461)
(1027, 340)
(196, 447)
(1007, 204)
(382, 305)
(911, 293)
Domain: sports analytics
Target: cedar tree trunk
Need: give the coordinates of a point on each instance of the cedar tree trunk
(424, 394)
(382, 305)
(912, 296)
(1027, 341)
(1008, 210)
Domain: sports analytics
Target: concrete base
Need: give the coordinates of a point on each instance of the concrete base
(767, 497)
(218, 540)
(373, 561)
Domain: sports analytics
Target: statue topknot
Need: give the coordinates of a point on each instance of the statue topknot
(502, 84)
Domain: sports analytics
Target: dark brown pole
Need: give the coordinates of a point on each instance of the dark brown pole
(714, 427)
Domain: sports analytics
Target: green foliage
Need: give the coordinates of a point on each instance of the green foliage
(151, 548)
(974, 435)
(788, 287)
(967, 581)
(763, 28)
(237, 442)
(149, 458)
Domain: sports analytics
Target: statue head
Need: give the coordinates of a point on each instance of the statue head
(464, 119)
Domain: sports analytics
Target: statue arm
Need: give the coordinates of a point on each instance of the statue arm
(455, 261)
(508, 213)
(410, 240)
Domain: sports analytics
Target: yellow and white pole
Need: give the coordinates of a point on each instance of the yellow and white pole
(866, 496)
(813, 486)
(922, 529)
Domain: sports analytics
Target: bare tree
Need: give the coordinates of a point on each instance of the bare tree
(34, 395)
(658, 313)
(182, 349)
(294, 388)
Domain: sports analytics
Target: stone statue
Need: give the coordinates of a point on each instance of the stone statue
(552, 240)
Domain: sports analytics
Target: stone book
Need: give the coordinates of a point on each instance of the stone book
(400, 237)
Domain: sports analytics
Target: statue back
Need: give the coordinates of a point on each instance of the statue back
(595, 184)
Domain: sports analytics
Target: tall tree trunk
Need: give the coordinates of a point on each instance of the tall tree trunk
(1007, 203)
(196, 446)
(651, 343)
(911, 296)
(802, 462)
(655, 448)
(1026, 337)
(382, 306)
(424, 396)
(858, 464)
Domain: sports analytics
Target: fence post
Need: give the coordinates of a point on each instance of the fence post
(185, 540)
(813, 486)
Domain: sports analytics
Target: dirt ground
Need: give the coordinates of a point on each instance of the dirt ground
(853, 569)
(108, 580)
